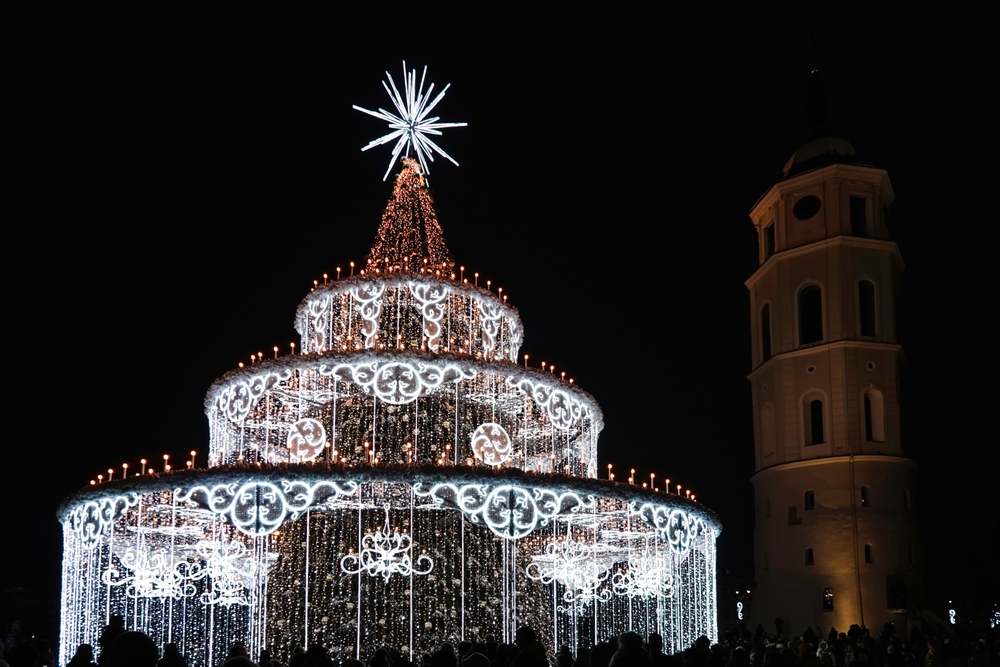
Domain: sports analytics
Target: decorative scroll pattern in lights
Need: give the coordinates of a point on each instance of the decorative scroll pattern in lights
(259, 508)
(491, 444)
(92, 519)
(512, 512)
(646, 576)
(368, 299)
(319, 319)
(153, 574)
(306, 438)
(577, 566)
(399, 382)
(385, 553)
(561, 407)
(431, 297)
(676, 526)
(411, 127)
(237, 399)
(232, 570)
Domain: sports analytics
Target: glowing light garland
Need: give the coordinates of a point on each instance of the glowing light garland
(385, 553)
(491, 444)
(410, 125)
(153, 575)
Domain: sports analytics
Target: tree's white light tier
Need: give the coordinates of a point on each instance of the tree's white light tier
(358, 557)
(409, 312)
(398, 407)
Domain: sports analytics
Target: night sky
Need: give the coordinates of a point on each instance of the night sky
(181, 180)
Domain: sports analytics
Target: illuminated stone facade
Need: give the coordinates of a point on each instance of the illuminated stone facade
(836, 537)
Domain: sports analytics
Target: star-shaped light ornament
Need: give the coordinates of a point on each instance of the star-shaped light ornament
(410, 126)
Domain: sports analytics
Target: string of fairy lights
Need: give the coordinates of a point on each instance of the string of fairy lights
(403, 477)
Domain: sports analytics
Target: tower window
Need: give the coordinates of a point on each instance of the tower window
(810, 315)
(874, 416)
(769, 240)
(866, 496)
(859, 216)
(810, 500)
(809, 556)
(793, 516)
(869, 556)
(827, 599)
(813, 421)
(866, 307)
(765, 331)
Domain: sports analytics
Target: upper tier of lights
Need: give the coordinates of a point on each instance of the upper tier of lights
(405, 363)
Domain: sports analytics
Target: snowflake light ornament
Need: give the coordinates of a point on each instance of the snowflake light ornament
(410, 126)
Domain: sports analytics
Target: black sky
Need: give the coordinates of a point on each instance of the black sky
(180, 180)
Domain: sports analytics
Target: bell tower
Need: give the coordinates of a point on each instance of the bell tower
(835, 538)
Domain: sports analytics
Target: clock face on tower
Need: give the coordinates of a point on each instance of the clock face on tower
(806, 207)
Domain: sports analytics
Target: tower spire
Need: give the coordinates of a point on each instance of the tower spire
(819, 115)
(410, 237)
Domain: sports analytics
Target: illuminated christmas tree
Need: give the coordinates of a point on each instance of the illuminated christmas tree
(410, 237)
(402, 481)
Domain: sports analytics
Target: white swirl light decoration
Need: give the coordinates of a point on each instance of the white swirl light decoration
(306, 438)
(562, 409)
(384, 554)
(491, 444)
(319, 319)
(232, 570)
(431, 298)
(368, 301)
(152, 575)
(509, 511)
(93, 518)
(237, 399)
(576, 566)
(259, 508)
(490, 315)
(646, 576)
(678, 527)
(399, 382)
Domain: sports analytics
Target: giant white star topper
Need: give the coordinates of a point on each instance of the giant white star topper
(411, 127)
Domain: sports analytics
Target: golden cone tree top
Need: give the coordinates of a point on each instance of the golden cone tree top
(410, 237)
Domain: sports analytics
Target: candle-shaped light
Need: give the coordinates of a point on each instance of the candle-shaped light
(324, 278)
(275, 351)
(338, 273)
(166, 462)
(352, 269)
(477, 279)
(111, 473)
(525, 361)
(293, 347)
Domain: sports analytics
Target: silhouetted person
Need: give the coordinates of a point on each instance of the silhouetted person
(171, 657)
(133, 649)
(111, 632)
(84, 656)
(630, 652)
(529, 651)
(582, 658)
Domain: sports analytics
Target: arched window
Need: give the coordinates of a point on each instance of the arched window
(812, 419)
(874, 415)
(869, 555)
(768, 435)
(866, 307)
(810, 500)
(809, 556)
(810, 315)
(827, 599)
(765, 332)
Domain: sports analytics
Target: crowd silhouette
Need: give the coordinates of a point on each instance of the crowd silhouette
(937, 646)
